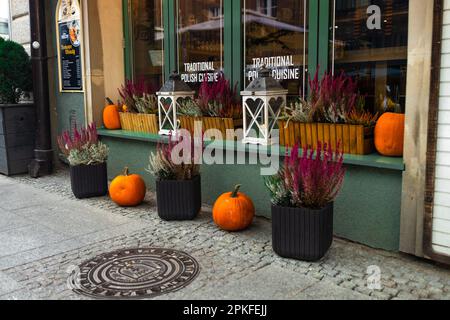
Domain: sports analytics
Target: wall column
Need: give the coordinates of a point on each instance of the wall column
(417, 106)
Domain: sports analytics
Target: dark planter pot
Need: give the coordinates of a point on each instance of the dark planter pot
(89, 181)
(179, 200)
(17, 137)
(302, 234)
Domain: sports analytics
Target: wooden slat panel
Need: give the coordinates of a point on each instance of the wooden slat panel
(326, 133)
(443, 158)
(441, 225)
(333, 137)
(443, 145)
(444, 131)
(353, 139)
(314, 137)
(320, 133)
(441, 212)
(443, 185)
(303, 139)
(360, 140)
(442, 199)
(442, 239)
(441, 250)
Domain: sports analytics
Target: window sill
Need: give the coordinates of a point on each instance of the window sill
(373, 160)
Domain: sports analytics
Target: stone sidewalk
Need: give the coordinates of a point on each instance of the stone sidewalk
(45, 233)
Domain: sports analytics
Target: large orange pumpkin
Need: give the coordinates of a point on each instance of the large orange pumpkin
(128, 190)
(390, 134)
(234, 211)
(111, 116)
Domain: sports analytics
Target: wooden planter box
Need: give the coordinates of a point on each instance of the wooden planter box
(208, 123)
(17, 137)
(353, 139)
(139, 122)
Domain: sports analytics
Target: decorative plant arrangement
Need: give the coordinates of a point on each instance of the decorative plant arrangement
(333, 113)
(87, 157)
(303, 193)
(17, 120)
(139, 107)
(178, 182)
(13, 57)
(217, 106)
(234, 211)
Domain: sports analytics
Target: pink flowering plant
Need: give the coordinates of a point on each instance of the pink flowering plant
(177, 160)
(219, 99)
(331, 99)
(138, 97)
(311, 179)
(83, 147)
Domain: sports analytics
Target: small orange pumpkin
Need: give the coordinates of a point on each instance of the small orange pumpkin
(390, 134)
(234, 211)
(111, 116)
(128, 190)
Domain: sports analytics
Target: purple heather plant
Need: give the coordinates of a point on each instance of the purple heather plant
(163, 165)
(219, 98)
(333, 98)
(310, 180)
(138, 96)
(84, 147)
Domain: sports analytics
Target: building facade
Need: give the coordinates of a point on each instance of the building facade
(386, 45)
(20, 23)
(4, 28)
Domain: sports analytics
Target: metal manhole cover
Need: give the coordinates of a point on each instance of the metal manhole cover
(134, 274)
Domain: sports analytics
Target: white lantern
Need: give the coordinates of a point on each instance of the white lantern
(263, 101)
(171, 95)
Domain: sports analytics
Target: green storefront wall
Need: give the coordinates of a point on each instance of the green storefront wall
(70, 106)
(367, 210)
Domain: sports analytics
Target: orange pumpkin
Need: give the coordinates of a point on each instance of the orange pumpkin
(390, 134)
(234, 211)
(128, 190)
(111, 116)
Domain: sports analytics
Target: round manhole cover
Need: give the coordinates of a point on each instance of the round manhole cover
(134, 274)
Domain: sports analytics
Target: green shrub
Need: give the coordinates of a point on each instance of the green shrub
(15, 72)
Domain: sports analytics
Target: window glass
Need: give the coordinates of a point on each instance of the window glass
(276, 36)
(370, 43)
(200, 40)
(148, 37)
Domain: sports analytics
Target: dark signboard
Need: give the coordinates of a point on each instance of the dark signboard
(71, 74)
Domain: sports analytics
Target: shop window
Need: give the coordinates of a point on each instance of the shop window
(148, 42)
(200, 27)
(275, 35)
(370, 43)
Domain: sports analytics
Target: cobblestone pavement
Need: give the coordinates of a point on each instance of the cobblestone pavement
(45, 232)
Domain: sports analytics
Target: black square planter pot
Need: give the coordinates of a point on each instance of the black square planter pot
(179, 200)
(302, 234)
(89, 181)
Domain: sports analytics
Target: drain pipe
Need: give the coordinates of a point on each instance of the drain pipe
(43, 154)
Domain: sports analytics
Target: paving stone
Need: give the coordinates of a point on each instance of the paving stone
(241, 265)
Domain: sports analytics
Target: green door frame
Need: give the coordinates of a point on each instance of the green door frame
(318, 38)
